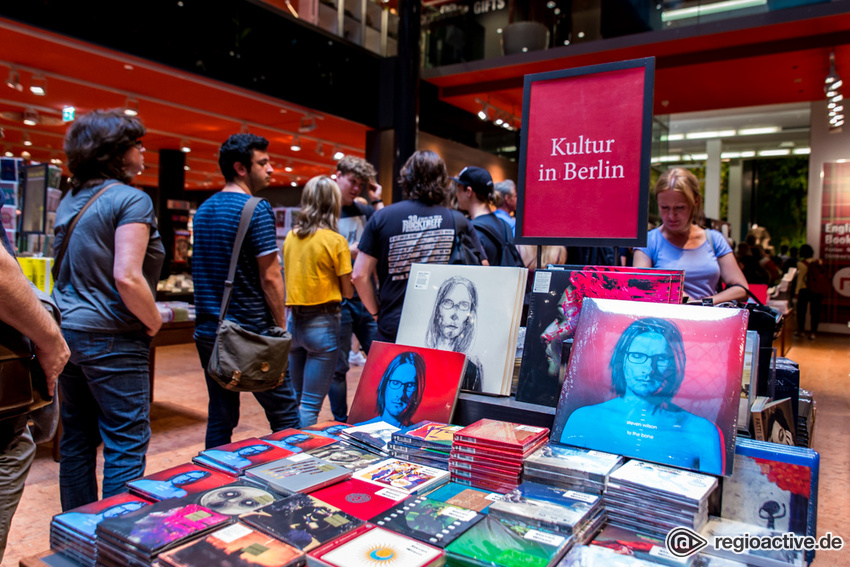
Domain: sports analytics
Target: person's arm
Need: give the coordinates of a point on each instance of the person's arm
(363, 278)
(730, 274)
(374, 191)
(271, 280)
(641, 260)
(131, 244)
(21, 309)
(345, 286)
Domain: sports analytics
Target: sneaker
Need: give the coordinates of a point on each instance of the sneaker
(812, 337)
(356, 358)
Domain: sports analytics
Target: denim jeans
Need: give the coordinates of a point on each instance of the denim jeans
(354, 319)
(223, 409)
(312, 359)
(105, 390)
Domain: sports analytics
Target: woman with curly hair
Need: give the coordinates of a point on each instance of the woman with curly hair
(417, 230)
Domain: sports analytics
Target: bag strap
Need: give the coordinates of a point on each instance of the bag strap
(749, 293)
(244, 223)
(62, 249)
(491, 233)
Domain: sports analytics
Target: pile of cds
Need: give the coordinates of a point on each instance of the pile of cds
(427, 443)
(374, 436)
(654, 499)
(571, 468)
(488, 454)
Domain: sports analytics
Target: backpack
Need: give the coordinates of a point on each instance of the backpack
(817, 278)
(464, 250)
(508, 254)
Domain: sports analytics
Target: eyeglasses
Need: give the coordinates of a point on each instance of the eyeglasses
(461, 305)
(661, 361)
(409, 387)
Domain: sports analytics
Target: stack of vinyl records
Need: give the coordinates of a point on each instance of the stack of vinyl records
(234, 458)
(507, 543)
(488, 454)
(571, 513)
(137, 538)
(373, 436)
(73, 532)
(654, 499)
(427, 442)
(571, 468)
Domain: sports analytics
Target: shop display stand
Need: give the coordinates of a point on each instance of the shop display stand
(471, 407)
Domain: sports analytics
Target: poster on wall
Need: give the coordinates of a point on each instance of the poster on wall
(835, 242)
(584, 155)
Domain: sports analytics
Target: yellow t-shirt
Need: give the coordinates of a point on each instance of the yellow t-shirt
(313, 265)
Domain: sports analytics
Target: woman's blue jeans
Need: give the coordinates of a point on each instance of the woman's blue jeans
(105, 390)
(312, 360)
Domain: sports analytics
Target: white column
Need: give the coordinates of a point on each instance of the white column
(711, 199)
(736, 171)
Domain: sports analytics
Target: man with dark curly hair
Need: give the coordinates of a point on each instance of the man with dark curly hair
(419, 229)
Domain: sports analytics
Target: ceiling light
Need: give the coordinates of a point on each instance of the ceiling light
(14, 80)
(498, 121)
(699, 157)
(27, 140)
(757, 131)
(672, 137)
(831, 86)
(184, 146)
(38, 85)
(748, 154)
(30, 116)
(730, 155)
(308, 124)
(714, 134)
(483, 114)
(131, 107)
(186, 168)
(802, 151)
(706, 9)
(288, 168)
(9, 154)
(294, 183)
(320, 149)
(769, 153)
(338, 154)
(296, 144)
(669, 158)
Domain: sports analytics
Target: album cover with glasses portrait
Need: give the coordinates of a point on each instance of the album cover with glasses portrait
(655, 382)
(403, 385)
(474, 310)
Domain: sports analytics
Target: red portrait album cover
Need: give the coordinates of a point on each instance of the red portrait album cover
(241, 455)
(298, 440)
(179, 481)
(655, 382)
(403, 385)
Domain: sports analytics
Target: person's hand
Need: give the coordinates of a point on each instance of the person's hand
(375, 190)
(52, 359)
(152, 331)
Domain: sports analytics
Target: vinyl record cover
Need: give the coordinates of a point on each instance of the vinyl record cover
(85, 519)
(179, 481)
(370, 546)
(655, 382)
(508, 544)
(501, 435)
(774, 487)
(240, 455)
(359, 498)
(302, 521)
(344, 455)
(234, 546)
(465, 496)
(553, 313)
(431, 521)
(428, 434)
(297, 440)
(299, 473)
(473, 310)
(237, 498)
(159, 525)
(328, 428)
(403, 385)
(411, 477)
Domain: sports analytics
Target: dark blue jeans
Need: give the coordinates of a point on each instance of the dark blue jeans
(312, 359)
(355, 319)
(105, 390)
(223, 410)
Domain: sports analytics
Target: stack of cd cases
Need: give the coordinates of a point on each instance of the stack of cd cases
(654, 499)
(571, 468)
(427, 443)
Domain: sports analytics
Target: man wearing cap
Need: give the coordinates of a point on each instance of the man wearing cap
(474, 194)
(506, 202)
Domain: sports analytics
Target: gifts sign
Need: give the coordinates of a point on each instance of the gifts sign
(584, 158)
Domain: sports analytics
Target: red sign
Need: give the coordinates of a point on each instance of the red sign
(585, 156)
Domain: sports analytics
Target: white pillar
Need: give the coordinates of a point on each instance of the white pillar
(736, 171)
(711, 199)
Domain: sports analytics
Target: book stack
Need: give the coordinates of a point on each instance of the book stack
(344, 455)
(654, 499)
(73, 532)
(302, 521)
(488, 454)
(234, 546)
(427, 442)
(431, 521)
(374, 437)
(371, 545)
(235, 458)
(178, 482)
(137, 538)
(359, 498)
(299, 473)
(571, 513)
(571, 468)
(507, 543)
(412, 478)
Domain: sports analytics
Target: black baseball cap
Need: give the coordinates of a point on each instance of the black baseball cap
(478, 179)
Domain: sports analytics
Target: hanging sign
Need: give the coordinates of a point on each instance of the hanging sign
(584, 156)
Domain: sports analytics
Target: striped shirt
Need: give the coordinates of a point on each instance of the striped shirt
(214, 230)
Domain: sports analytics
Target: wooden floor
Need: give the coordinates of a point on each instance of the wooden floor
(179, 416)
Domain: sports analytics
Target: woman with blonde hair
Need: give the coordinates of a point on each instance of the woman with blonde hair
(680, 244)
(317, 270)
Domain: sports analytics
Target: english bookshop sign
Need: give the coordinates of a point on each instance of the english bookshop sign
(584, 158)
